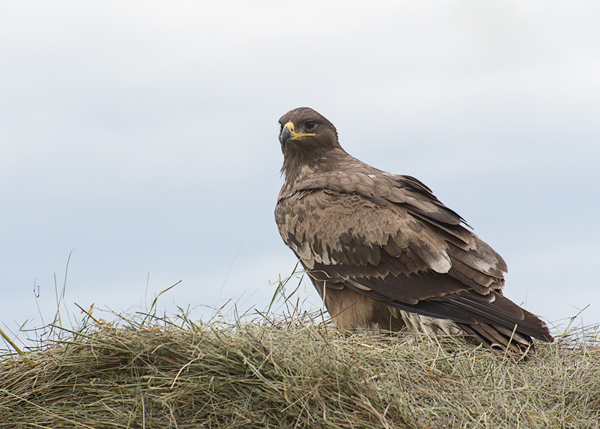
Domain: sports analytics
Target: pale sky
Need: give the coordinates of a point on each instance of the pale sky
(144, 136)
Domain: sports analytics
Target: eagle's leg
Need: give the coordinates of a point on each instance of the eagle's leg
(351, 310)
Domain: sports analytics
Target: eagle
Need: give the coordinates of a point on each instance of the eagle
(384, 252)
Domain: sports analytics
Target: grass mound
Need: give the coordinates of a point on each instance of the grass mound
(290, 372)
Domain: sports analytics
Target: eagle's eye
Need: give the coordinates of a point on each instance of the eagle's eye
(310, 125)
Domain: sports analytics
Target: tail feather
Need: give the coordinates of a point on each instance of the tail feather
(493, 320)
(494, 337)
(503, 314)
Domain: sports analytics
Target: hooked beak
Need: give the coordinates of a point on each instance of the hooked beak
(288, 133)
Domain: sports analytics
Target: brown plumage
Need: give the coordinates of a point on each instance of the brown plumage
(383, 251)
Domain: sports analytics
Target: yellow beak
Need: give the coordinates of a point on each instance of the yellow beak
(289, 133)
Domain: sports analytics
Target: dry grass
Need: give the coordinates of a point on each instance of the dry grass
(145, 371)
(291, 373)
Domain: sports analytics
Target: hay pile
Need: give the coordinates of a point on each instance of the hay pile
(290, 373)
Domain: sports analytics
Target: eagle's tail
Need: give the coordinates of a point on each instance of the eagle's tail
(493, 320)
(498, 337)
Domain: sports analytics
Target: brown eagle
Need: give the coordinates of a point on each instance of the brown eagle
(383, 251)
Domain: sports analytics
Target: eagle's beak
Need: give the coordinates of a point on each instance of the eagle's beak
(288, 133)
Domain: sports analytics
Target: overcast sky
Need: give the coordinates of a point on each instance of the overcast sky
(144, 136)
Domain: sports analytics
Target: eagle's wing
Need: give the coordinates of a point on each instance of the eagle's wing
(389, 238)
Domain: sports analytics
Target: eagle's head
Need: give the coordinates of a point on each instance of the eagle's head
(309, 142)
(305, 129)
